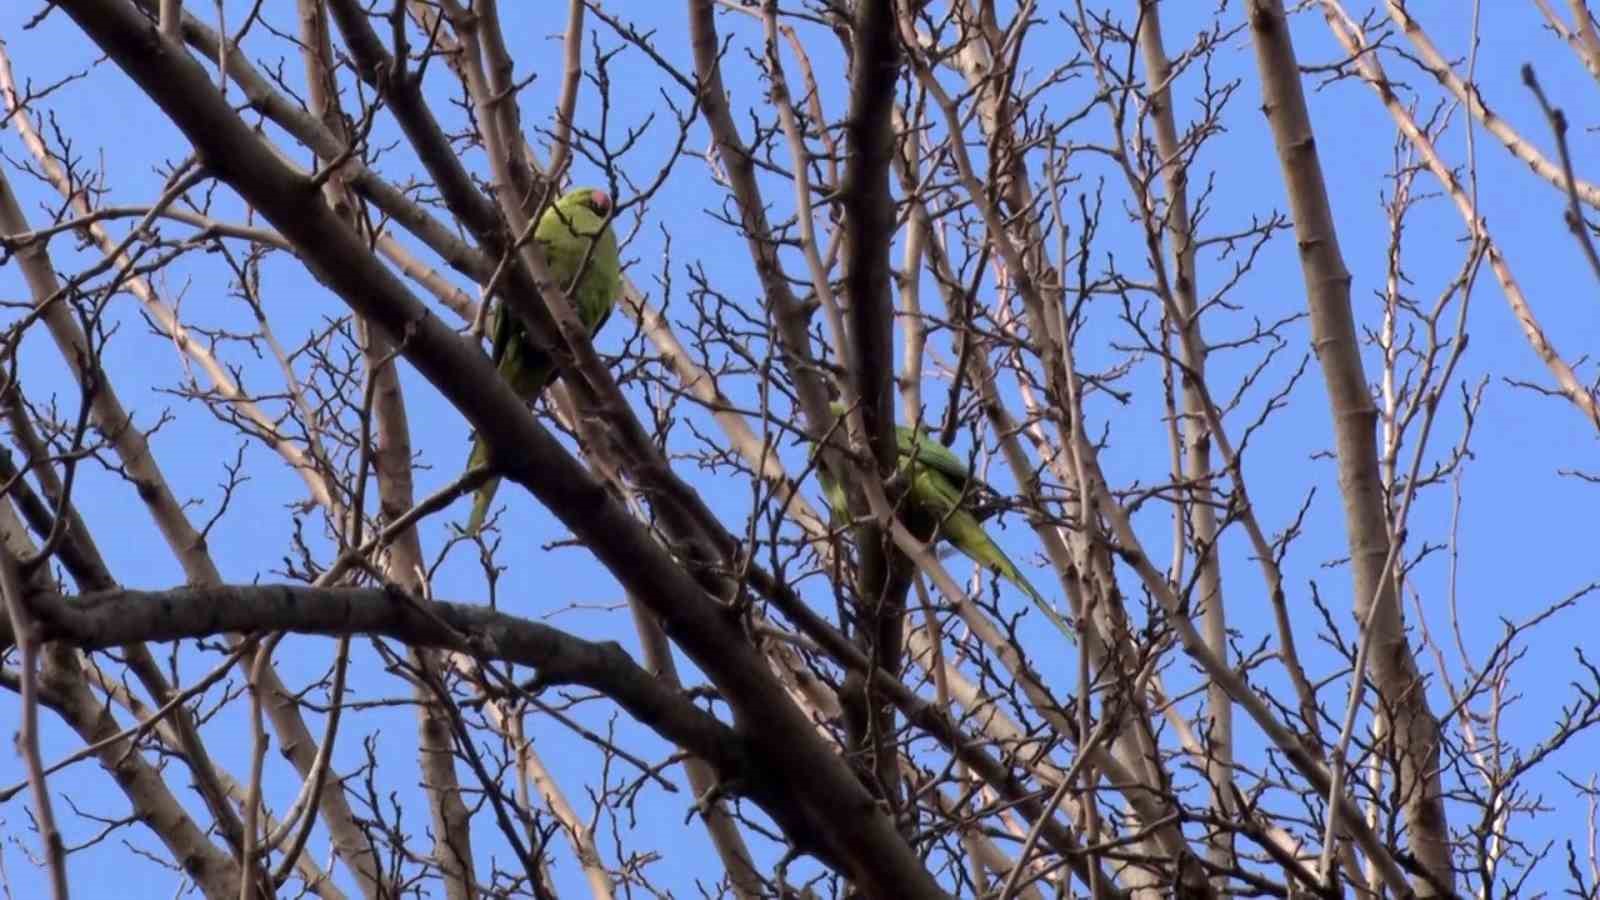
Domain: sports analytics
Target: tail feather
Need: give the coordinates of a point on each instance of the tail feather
(485, 494)
(480, 505)
(976, 544)
(1061, 624)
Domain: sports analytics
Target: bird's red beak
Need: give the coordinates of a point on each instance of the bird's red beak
(601, 201)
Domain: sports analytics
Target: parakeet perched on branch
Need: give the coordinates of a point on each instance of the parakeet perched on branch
(941, 493)
(565, 232)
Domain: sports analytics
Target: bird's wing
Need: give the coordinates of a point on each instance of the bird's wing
(940, 497)
(597, 293)
(929, 452)
(926, 451)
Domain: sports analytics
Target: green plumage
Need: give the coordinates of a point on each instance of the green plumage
(565, 232)
(941, 496)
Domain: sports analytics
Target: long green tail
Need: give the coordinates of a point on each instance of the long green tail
(485, 494)
(1062, 625)
(939, 494)
(990, 556)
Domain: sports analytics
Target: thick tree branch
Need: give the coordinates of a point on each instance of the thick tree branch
(111, 618)
(1416, 730)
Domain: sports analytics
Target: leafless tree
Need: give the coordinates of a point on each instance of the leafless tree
(1048, 233)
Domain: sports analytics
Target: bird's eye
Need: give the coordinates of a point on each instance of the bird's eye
(600, 202)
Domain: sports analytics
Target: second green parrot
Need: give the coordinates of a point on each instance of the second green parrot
(566, 232)
(940, 495)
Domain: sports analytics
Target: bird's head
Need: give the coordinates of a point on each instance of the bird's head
(596, 200)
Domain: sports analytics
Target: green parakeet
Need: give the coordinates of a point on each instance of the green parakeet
(565, 232)
(940, 494)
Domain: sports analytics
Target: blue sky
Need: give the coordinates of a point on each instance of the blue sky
(1524, 535)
